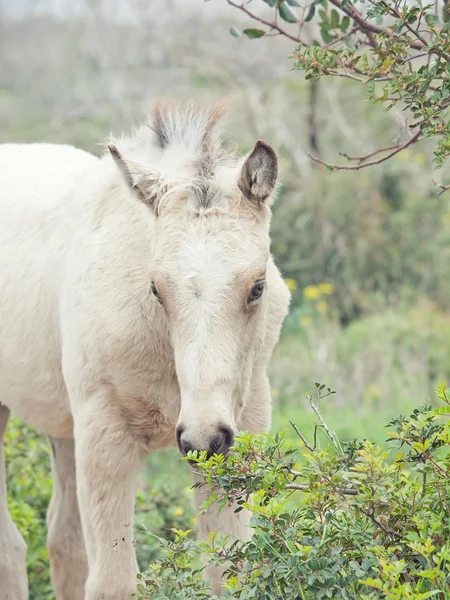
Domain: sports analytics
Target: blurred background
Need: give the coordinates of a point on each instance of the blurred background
(365, 253)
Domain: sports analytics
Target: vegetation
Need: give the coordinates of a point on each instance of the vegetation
(332, 518)
(369, 525)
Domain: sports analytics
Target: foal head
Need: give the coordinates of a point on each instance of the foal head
(208, 261)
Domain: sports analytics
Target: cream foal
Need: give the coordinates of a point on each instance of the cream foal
(139, 307)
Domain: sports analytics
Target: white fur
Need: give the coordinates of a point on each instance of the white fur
(87, 352)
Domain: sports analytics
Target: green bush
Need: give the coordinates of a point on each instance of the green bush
(342, 521)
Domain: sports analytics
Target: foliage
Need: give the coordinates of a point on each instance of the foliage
(379, 238)
(379, 364)
(399, 51)
(29, 488)
(368, 525)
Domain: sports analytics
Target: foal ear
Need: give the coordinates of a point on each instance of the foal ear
(146, 184)
(259, 173)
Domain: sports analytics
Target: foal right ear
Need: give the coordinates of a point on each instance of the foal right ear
(259, 173)
(145, 183)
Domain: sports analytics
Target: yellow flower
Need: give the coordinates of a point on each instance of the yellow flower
(376, 391)
(291, 283)
(403, 156)
(179, 512)
(322, 306)
(305, 321)
(311, 292)
(326, 288)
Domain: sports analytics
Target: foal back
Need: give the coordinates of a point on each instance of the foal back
(38, 212)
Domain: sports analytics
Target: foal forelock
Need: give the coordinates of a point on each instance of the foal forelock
(183, 143)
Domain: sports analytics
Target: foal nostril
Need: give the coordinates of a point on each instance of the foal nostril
(179, 432)
(218, 444)
(184, 446)
(221, 442)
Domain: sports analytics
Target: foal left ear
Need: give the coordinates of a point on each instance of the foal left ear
(145, 183)
(259, 173)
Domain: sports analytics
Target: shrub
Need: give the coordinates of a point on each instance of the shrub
(334, 520)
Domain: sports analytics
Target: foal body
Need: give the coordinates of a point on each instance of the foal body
(127, 326)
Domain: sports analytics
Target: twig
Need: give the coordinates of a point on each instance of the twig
(395, 150)
(295, 473)
(324, 425)
(424, 483)
(443, 187)
(304, 487)
(385, 529)
(361, 159)
(271, 24)
(301, 436)
(341, 37)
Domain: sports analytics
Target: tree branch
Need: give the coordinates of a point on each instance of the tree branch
(368, 27)
(395, 150)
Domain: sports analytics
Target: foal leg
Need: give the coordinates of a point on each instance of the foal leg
(68, 563)
(225, 522)
(255, 419)
(13, 550)
(107, 459)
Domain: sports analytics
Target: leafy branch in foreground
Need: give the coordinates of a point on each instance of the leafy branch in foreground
(399, 51)
(331, 520)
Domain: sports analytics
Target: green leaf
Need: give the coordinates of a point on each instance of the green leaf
(270, 2)
(334, 18)
(254, 33)
(235, 32)
(345, 23)
(292, 3)
(311, 12)
(286, 13)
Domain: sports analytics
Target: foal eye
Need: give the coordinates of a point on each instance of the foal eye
(155, 293)
(257, 291)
